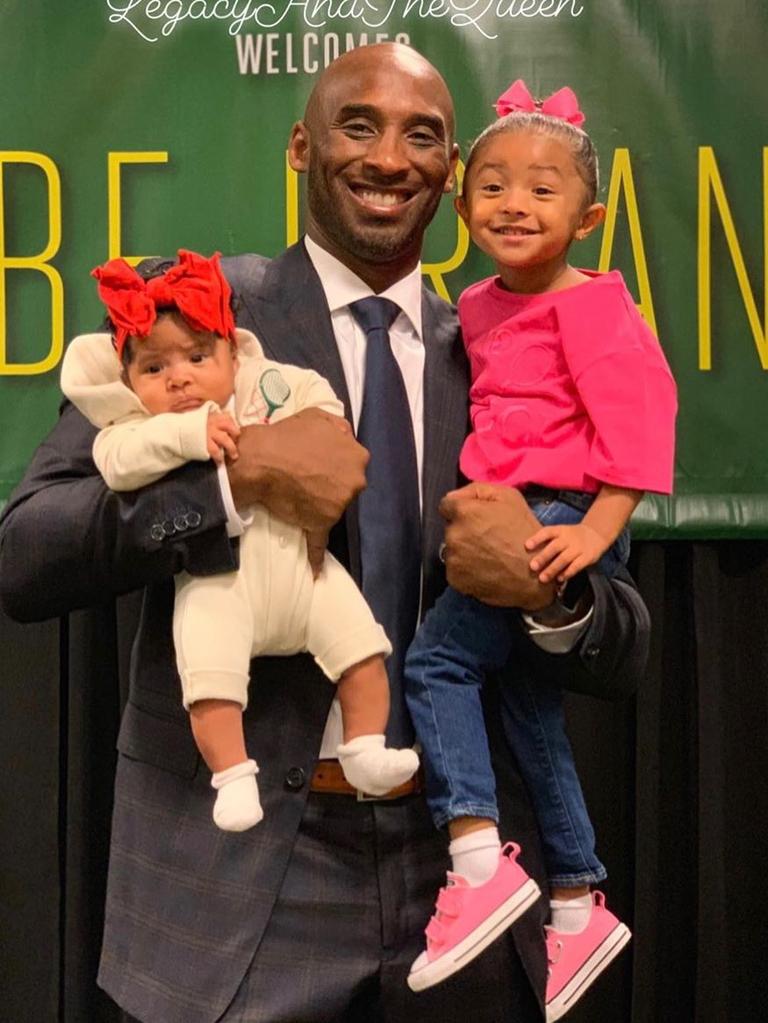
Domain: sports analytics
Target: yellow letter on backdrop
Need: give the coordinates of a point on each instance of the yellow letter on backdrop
(115, 229)
(711, 182)
(621, 175)
(39, 262)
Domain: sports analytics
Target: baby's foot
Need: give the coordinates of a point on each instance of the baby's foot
(371, 767)
(237, 805)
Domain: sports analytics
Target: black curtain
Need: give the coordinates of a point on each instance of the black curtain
(674, 779)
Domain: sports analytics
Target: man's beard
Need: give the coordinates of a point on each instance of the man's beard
(362, 241)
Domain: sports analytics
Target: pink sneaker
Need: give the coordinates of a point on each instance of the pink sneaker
(467, 919)
(577, 960)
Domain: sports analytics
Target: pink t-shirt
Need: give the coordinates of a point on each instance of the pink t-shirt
(570, 389)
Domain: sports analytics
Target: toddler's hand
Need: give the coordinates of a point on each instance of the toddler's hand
(223, 431)
(565, 550)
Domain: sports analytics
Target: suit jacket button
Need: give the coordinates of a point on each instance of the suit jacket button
(157, 532)
(180, 523)
(592, 651)
(194, 519)
(295, 778)
(168, 528)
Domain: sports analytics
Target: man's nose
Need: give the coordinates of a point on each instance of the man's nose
(388, 154)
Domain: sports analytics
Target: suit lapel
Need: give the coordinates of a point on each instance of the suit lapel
(289, 315)
(290, 318)
(445, 425)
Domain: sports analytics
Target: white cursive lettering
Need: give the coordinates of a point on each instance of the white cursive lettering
(152, 19)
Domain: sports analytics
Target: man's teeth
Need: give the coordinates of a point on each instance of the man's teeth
(381, 198)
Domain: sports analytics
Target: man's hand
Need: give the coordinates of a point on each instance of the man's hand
(222, 433)
(485, 555)
(304, 469)
(565, 551)
(317, 541)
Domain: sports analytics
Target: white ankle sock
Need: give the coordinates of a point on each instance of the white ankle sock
(237, 805)
(374, 768)
(476, 856)
(569, 916)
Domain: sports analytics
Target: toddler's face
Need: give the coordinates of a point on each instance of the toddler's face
(175, 369)
(524, 200)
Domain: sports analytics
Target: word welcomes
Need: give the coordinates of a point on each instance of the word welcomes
(273, 53)
(152, 19)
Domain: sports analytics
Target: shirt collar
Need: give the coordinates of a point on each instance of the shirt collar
(342, 286)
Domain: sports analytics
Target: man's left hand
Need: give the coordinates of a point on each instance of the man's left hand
(484, 553)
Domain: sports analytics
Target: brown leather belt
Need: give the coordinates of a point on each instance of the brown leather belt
(329, 778)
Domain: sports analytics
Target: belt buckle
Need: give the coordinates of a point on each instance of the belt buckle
(364, 797)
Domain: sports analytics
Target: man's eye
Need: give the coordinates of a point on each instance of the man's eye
(358, 129)
(422, 137)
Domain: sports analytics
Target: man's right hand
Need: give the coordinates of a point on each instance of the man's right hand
(484, 551)
(304, 469)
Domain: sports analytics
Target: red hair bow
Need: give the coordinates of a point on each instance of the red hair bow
(195, 286)
(562, 104)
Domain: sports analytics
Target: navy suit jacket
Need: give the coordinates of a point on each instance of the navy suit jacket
(187, 904)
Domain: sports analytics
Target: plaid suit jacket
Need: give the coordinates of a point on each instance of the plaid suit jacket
(187, 904)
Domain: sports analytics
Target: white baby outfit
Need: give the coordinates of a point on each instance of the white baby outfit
(271, 605)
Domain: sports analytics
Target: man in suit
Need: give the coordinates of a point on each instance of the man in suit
(315, 915)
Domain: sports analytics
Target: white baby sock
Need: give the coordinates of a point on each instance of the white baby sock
(569, 916)
(476, 856)
(369, 766)
(237, 805)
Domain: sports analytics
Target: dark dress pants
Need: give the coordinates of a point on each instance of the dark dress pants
(348, 922)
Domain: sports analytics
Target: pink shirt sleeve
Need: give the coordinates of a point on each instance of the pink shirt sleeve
(627, 389)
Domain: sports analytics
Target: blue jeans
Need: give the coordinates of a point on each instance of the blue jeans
(459, 641)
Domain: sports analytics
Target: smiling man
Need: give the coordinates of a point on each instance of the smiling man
(378, 156)
(315, 915)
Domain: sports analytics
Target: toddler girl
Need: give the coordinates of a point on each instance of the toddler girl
(572, 402)
(172, 384)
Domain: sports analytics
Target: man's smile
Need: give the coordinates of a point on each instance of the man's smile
(381, 200)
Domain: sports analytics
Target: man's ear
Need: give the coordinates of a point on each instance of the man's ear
(453, 160)
(592, 217)
(298, 147)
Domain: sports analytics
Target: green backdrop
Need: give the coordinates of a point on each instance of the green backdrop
(133, 127)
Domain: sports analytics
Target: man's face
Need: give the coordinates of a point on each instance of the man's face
(379, 154)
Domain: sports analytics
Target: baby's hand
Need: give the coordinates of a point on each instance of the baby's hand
(223, 431)
(565, 550)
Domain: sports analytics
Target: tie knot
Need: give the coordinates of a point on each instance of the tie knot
(374, 313)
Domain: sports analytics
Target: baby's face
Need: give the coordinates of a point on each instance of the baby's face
(175, 369)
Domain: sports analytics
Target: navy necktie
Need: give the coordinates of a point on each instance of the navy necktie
(389, 513)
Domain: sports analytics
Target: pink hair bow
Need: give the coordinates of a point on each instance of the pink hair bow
(562, 104)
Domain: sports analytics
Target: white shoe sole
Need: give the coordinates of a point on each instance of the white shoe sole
(478, 940)
(603, 955)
